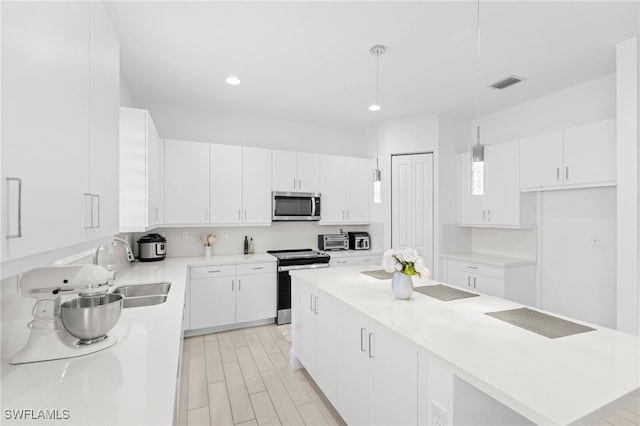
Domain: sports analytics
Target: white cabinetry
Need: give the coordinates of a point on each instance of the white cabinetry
(345, 184)
(515, 282)
(186, 182)
(355, 259)
(317, 331)
(377, 373)
(502, 205)
(224, 295)
(59, 119)
(576, 157)
(295, 171)
(141, 170)
(240, 185)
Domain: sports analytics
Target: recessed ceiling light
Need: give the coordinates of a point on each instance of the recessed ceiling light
(232, 80)
(374, 107)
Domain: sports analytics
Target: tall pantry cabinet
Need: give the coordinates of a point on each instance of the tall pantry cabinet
(60, 129)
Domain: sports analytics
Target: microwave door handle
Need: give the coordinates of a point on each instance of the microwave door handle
(313, 206)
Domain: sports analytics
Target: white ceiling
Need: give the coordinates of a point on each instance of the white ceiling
(309, 61)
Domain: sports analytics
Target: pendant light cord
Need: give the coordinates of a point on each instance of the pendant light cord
(478, 74)
(377, 112)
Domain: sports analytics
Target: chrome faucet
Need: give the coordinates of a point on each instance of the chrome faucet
(130, 256)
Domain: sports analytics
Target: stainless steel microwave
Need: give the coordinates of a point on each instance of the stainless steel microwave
(295, 206)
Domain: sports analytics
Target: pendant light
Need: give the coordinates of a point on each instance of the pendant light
(377, 51)
(476, 152)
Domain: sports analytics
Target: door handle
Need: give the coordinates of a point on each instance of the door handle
(469, 281)
(239, 284)
(483, 215)
(239, 215)
(97, 197)
(18, 233)
(566, 173)
(245, 214)
(488, 215)
(232, 285)
(558, 173)
(372, 344)
(316, 306)
(312, 307)
(294, 183)
(299, 183)
(363, 339)
(474, 282)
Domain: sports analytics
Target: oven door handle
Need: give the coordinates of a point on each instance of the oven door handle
(298, 267)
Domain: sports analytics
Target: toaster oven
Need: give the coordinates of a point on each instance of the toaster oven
(330, 242)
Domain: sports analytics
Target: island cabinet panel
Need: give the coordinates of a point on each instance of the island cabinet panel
(377, 372)
(318, 338)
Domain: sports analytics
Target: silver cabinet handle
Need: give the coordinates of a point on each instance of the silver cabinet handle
(483, 215)
(566, 173)
(157, 214)
(341, 261)
(474, 282)
(343, 214)
(89, 197)
(239, 215)
(213, 272)
(97, 197)
(18, 181)
(259, 267)
(239, 284)
(348, 214)
(316, 307)
(299, 183)
(372, 345)
(363, 339)
(294, 183)
(488, 215)
(232, 285)
(472, 267)
(88, 210)
(468, 280)
(245, 215)
(311, 305)
(558, 173)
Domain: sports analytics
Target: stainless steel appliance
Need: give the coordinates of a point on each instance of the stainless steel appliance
(295, 206)
(328, 242)
(359, 241)
(289, 260)
(152, 247)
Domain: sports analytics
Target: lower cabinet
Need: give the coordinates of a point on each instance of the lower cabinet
(356, 259)
(377, 373)
(515, 283)
(223, 295)
(318, 338)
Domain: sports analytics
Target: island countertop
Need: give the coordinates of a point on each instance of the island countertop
(548, 381)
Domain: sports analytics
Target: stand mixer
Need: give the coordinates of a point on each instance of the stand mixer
(48, 338)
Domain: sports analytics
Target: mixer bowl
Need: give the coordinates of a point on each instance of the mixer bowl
(90, 318)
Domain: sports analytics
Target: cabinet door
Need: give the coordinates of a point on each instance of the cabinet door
(256, 297)
(186, 182)
(332, 187)
(283, 171)
(459, 278)
(358, 189)
(256, 186)
(105, 117)
(471, 206)
(133, 166)
(590, 153)
(45, 125)
(226, 184)
(353, 367)
(502, 197)
(326, 356)
(488, 285)
(306, 326)
(308, 171)
(213, 302)
(154, 192)
(393, 379)
(541, 160)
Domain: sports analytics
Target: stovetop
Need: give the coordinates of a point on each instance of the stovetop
(299, 254)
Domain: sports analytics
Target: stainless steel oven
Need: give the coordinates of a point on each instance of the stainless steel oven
(289, 260)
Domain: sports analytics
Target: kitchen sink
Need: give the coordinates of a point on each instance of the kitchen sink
(144, 294)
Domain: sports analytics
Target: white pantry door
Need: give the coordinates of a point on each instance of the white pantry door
(412, 204)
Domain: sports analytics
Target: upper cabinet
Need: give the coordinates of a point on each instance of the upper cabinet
(60, 128)
(502, 205)
(256, 186)
(186, 182)
(295, 171)
(141, 172)
(346, 187)
(576, 157)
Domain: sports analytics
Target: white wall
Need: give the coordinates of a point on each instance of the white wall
(126, 99)
(559, 282)
(175, 122)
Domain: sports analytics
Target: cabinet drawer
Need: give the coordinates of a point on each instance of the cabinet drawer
(255, 268)
(477, 268)
(212, 271)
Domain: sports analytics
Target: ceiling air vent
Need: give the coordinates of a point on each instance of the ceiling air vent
(506, 82)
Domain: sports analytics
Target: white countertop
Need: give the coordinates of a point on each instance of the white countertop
(549, 381)
(134, 381)
(490, 259)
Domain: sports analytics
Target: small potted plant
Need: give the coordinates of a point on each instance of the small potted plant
(404, 264)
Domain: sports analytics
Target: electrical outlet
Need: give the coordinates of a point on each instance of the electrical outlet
(185, 235)
(225, 235)
(595, 241)
(499, 235)
(438, 415)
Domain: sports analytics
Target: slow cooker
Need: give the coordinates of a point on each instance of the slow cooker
(152, 247)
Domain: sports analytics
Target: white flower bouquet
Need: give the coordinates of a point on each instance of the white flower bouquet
(406, 261)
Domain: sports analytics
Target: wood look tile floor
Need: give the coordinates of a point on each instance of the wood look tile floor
(243, 377)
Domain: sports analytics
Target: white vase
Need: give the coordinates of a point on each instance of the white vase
(401, 286)
(207, 251)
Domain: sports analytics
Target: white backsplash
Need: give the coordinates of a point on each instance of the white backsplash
(520, 243)
(278, 236)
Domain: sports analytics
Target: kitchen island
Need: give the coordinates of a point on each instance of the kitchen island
(133, 382)
(446, 359)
